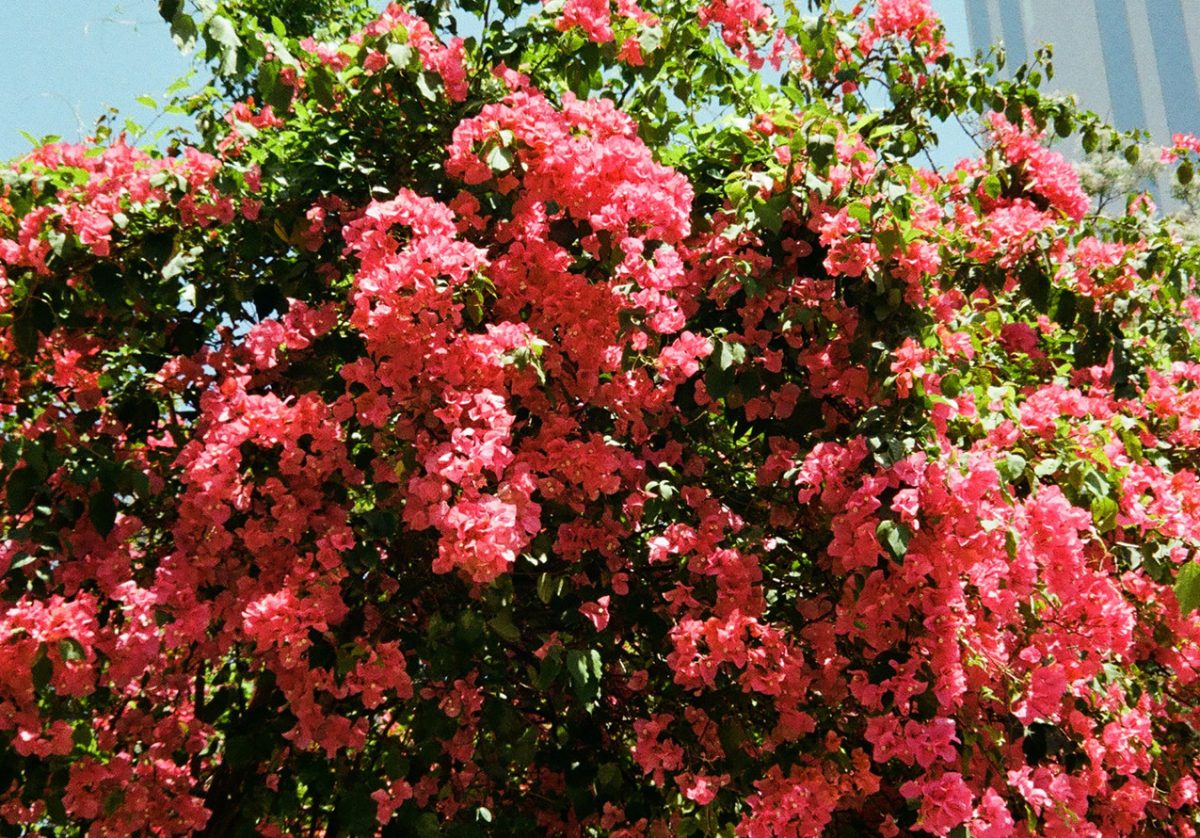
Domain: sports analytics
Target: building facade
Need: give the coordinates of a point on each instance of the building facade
(1134, 62)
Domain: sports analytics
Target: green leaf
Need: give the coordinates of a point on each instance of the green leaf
(221, 33)
(113, 801)
(992, 187)
(22, 485)
(102, 512)
(500, 159)
(10, 452)
(71, 649)
(894, 536)
(428, 85)
(1104, 514)
(1187, 587)
(321, 82)
(735, 190)
(400, 55)
(951, 384)
(25, 336)
(1035, 285)
(1012, 467)
(427, 825)
(548, 587)
(1047, 467)
(650, 38)
(578, 668)
(887, 240)
(177, 265)
(1132, 444)
(1185, 173)
(22, 560)
(585, 669)
(275, 93)
(551, 665)
(719, 372)
(83, 736)
(395, 763)
(42, 670)
(356, 810)
(768, 213)
(731, 354)
(1094, 483)
(184, 32)
(502, 624)
(860, 212)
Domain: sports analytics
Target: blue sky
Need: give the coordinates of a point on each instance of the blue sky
(65, 62)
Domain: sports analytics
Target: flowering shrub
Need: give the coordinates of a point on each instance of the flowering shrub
(602, 424)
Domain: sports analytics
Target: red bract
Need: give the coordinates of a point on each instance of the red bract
(438, 446)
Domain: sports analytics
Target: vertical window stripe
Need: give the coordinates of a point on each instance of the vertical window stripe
(978, 24)
(1014, 31)
(1173, 55)
(1120, 64)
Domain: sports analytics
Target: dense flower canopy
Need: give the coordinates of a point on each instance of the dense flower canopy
(607, 423)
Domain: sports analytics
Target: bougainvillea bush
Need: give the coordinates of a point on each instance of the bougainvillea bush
(605, 420)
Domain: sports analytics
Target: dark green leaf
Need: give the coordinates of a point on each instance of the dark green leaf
(887, 240)
(183, 30)
(1104, 514)
(108, 284)
(42, 670)
(502, 624)
(102, 512)
(585, 669)
(22, 485)
(1187, 587)
(1035, 285)
(321, 82)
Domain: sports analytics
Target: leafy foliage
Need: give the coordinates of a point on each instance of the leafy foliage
(601, 423)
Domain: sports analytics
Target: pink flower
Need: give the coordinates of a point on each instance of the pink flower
(701, 788)
(596, 612)
(946, 802)
(1044, 697)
